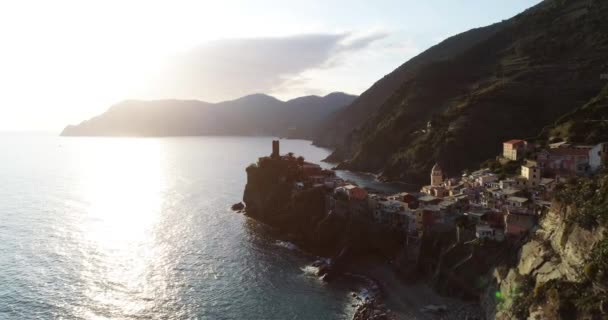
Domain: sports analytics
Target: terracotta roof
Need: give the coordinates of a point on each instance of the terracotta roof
(513, 141)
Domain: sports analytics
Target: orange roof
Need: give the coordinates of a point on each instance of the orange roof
(513, 141)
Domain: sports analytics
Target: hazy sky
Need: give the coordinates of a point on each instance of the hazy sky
(64, 61)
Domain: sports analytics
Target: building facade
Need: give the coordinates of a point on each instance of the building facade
(514, 149)
(436, 176)
(598, 156)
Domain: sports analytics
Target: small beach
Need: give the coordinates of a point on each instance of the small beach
(406, 300)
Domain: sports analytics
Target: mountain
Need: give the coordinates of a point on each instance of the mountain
(456, 102)
(256, 114)
(586, 125)
(339, 126)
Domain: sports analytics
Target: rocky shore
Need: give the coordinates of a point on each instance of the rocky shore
(343, 233)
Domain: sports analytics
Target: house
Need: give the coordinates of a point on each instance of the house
(449, 205)
(483, 231)
(352, 192)
(428, 200)
(531, 172)
(311, 169)
(454, 189)
(475, 216)
(564, 161)
(435, 191)
(410, 199)
(506, 184)
(514, 149)
(493, 193)
(598, 156)
(425, 218)
(511, 192)
(518, 202)
(392, 213)
(485, 179)
(518, 224)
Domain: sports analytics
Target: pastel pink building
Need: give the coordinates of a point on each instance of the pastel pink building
(564, 160)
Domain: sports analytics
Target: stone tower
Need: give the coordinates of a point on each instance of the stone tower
(275, 149)
(436, 175)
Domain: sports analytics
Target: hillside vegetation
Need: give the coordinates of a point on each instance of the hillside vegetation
(511, 81)
(587, 124)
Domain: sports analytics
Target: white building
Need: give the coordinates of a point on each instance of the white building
(517, 202)
(483, 231)
(486, 178)
(597, 157)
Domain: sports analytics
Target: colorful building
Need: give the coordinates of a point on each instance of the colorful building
(531, 172)
(564, 161)
(514, 149)
(352, 192)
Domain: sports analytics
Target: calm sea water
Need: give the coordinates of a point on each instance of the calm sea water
(128, 228)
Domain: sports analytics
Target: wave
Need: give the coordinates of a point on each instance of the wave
(310, 270)
(286, 244)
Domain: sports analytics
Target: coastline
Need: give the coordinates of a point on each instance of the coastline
(407, 299)
(383, 292)
(280, 192)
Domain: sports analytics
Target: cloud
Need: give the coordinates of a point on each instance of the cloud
(361, 42)
(230, 68)
(362, 60)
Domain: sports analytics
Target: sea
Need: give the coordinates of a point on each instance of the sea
(141, 228)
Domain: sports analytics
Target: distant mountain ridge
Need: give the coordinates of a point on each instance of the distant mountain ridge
(456, 102)
(256, 114)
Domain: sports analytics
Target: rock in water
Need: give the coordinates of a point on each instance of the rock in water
(238, 206)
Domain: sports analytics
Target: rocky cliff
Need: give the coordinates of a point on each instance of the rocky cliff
(548, 280)
(304, 216)
(560, 271)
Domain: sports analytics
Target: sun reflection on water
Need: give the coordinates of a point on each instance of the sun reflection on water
(122, 267)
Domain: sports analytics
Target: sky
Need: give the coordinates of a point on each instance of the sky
(64, 61)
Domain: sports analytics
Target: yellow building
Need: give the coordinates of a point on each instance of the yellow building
(531, 172)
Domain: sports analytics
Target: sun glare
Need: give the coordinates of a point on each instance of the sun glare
(123, 187)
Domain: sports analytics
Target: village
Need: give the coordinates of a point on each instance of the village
(499, 207)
